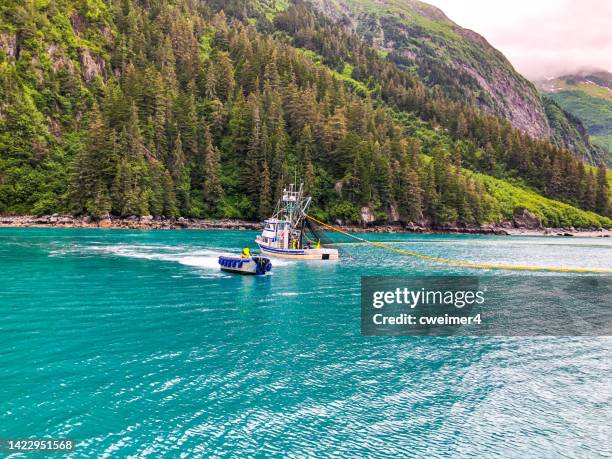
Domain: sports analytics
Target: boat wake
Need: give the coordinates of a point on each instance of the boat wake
(201, 258)
(198, 258)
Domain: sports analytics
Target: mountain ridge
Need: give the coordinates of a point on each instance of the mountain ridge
(420, 37)
(587, 95)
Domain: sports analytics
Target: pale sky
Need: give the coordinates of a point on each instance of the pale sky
(541, 37)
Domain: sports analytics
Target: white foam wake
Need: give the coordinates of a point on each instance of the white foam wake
(202, 258)
(206, 259)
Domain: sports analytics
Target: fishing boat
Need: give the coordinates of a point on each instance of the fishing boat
(285, 234)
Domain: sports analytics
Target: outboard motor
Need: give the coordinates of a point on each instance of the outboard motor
(263, 265)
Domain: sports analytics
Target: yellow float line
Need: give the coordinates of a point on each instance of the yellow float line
(459, 262)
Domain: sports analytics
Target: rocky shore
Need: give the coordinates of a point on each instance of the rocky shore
(517, 227)
(145, 223)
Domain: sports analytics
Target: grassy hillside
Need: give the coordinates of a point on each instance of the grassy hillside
(507, 197)
(594, 112)
(589, 98)
(552, 213)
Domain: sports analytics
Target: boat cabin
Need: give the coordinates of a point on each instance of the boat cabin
(279, 234)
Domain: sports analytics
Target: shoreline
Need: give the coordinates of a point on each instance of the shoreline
(151, 223)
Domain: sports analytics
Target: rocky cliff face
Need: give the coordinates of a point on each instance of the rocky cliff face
(420, 38)
(462, 63)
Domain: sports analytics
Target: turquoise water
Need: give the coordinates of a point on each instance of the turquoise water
(133, 343)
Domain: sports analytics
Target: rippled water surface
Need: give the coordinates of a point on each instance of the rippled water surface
(133, 343)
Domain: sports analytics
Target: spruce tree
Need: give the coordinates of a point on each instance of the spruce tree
(265, 193)
(213, 191)
(255, 151)
(279, 170)
(122, 197)
(169, 196)
(590, 193)
(160, 118)
(167, 63)
(413, 201)
(431, 197)
(309, 178)
(210, 82)
(306, 147)
(129, 195)
(225, 83)
(101, 205)
(555, 184)
(462, 126)
(186, 122)
(91, 168)
(180, 176)
(156, 199)
(602, 198)
(239, 127)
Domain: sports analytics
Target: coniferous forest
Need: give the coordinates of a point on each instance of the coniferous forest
(205, 109)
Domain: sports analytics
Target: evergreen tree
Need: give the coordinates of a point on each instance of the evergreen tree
(223, 75)
(413, 200)
(129, 194)
(180, 176)
(126, 193)
(169, 197)
(335, 128)
(213, 191)
(602, 198)
(306, 148)
(91, 168)
(555, 182)
(590, 194)
(255, 153)
(265, 195)
(462, 126)
(431, 198)
(160, 118)
(239, 127)
(186, 122)
(167, 63)
(279, 169)
(309, 178)
(102, 205)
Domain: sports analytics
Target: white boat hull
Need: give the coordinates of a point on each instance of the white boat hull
(300, 254)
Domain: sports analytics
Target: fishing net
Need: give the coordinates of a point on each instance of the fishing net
(315, 232)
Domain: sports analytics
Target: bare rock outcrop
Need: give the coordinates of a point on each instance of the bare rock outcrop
(524, 219)
(92, 64)
(367, 216)
(58, 58)
(8, 43)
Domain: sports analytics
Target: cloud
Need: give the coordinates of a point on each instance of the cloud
(541, 37)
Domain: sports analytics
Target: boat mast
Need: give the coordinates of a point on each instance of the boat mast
(292, 208)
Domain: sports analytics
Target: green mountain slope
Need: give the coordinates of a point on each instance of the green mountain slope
(203, 109)
(588, 97)
(460, 62)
